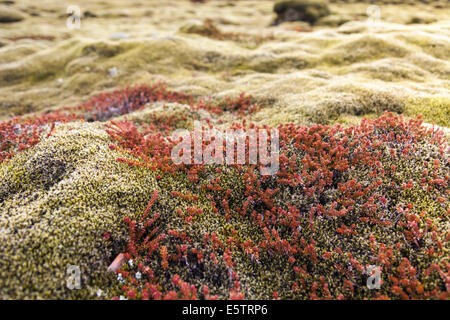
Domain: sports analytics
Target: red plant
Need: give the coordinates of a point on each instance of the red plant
(21, 133)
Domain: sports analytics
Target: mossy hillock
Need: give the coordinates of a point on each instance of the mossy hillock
(57, 201)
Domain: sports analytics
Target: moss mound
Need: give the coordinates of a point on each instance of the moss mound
(57, 201)
(364, 48)
(9, 14)
(436, 109)
(374, 192)
(207, 28)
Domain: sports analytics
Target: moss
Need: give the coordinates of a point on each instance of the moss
(390, 70)
(273, 270)
(363, 48)
(106, 49)
(350, 119)
(329, 104)
(57, 200)
(81, 83)
(19, 51)
(207, 28)
(422, 20)
(327, 239)
(10, 14)
(279, 63)
(32, 71)
(334, 20)
(17, 108)
(40, 67)
(433, 109)
(431, 44)
(173, 210)
(175, 115)
(363, 104)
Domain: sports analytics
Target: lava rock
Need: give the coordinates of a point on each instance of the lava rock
(300, 10)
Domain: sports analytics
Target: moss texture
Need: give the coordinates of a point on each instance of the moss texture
(277, 64)
(9, 15)
(315, 236)
(65, 199)
(57, 200)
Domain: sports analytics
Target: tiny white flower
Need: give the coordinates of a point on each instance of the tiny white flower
(112, 72)
(130, 263)
(99, 292)
(122, 298)
(138, 275)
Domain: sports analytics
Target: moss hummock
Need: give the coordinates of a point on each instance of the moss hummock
(57, 201)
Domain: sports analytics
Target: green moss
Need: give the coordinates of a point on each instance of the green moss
(362, 103)
(363, 48)
(429, 43)
(44, 65)
(106, 49)
(388, 70)
(179, 116)
(425, 19)
(338, 102)
(19, 51)
(280, 63)
(207, 29)
(57, 200)
(350, 119)
(82, 83)
(334, 20)
(17, 108)
(433, 109)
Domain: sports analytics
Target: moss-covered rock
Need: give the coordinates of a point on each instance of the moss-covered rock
(356, 103)
(57, 201)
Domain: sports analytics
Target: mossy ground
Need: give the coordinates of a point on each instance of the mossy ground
(57, 201)
(390, 161)
(283, 66)
(58, 198)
